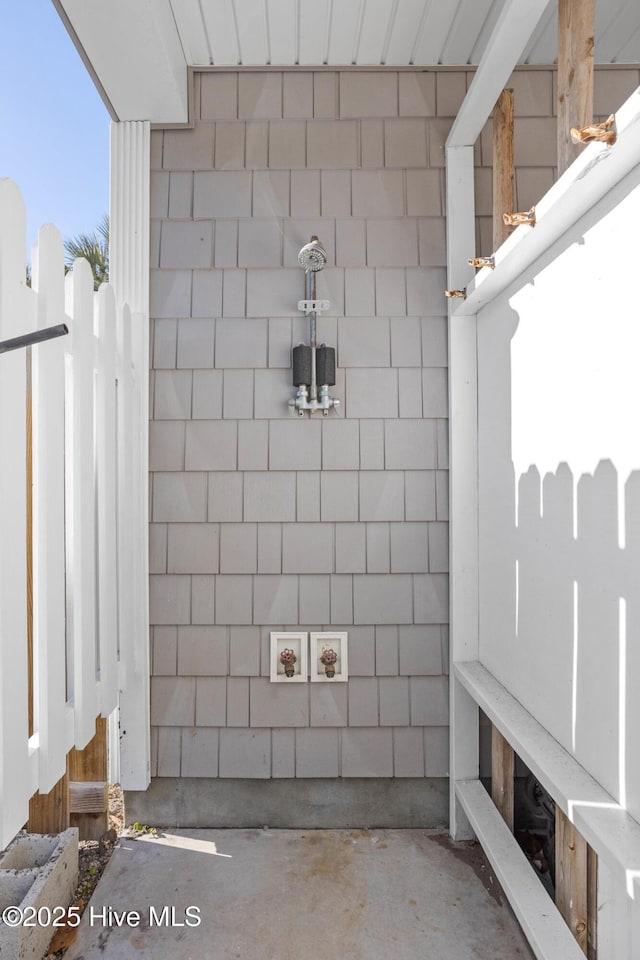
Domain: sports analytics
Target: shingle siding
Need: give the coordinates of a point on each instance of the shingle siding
(261, 521)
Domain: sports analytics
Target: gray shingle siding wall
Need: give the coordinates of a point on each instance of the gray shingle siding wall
(263, 522)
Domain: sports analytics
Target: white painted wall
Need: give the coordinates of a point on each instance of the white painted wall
(559, 479)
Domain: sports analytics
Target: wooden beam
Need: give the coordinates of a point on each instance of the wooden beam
(592, 903)
(502, 773)
(504, 198)
(90, 766)
(571, 877)
(49, 812)
(575, 74)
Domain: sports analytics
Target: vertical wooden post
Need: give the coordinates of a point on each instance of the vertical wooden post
(49, 812)
(571, 877)
(575, 74)
(592, 904)
(90, 765)
(503, 166)
(502, 772)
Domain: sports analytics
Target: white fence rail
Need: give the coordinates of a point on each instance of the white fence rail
(85, 408)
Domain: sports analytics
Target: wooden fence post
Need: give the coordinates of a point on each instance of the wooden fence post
(88, 785)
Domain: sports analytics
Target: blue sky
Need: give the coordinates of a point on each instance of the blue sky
(54, 128)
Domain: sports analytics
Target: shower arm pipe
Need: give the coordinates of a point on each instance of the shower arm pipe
(311, 290)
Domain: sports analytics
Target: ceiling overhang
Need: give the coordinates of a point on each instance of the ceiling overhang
(139, 51)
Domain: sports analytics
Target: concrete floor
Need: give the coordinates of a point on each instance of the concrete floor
(286, 894)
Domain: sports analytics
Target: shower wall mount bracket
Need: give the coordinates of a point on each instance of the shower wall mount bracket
(314, 306)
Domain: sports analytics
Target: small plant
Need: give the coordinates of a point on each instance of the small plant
(287, 659)
(329, 658)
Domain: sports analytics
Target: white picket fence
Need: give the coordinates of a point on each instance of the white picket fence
(86, 492)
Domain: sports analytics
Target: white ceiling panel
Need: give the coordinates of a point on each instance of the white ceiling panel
(221, 29)
(630, 47)
(618, 33)
(314, 27)
(486, 30)
(464, 29)
(404, 30)
(282, 22)
(376, 21)
(544, 35)
(193, 35)
(435, 30)
(344, 31)
(253, 35)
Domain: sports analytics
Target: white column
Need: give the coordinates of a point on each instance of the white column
(129, 274)
(463, 483)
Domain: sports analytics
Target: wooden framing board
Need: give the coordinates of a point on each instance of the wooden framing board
(543, 926)
(571, 878)
(502, 773)
(49, 812)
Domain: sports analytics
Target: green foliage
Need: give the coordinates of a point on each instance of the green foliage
(93, 247)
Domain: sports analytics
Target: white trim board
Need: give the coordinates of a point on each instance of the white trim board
(512, 33)
(605, 825)
(549, 936)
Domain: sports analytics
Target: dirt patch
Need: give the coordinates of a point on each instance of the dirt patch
(471, 853)
(93, 857)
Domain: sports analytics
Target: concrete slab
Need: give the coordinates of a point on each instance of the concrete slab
(283, 894)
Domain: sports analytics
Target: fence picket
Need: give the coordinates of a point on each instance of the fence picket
(17, 316)
(107, 500)
(52, 715)
(81, 562)
(126, 502)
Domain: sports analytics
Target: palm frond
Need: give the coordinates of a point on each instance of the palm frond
(94, 248)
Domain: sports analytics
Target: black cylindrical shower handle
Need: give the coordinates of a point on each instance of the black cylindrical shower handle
(326, 366)
(301, 365)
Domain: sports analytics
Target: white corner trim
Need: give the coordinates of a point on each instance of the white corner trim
(129, 276)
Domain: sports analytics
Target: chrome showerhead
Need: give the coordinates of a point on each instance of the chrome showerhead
(313, 256)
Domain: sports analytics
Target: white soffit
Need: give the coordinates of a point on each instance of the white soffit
(133, 52)
(138, 50)
(378, 32)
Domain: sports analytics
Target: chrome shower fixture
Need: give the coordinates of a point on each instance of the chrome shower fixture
(313, 256)
(313, 365)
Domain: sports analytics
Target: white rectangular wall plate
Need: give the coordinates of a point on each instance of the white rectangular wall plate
(328, 657)
(289, 658)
